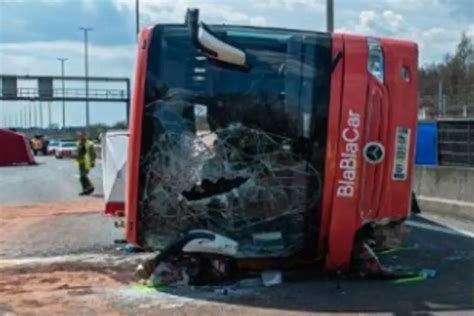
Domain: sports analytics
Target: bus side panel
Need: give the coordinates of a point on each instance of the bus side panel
(332, 140)
(136, 116)
(345, 218)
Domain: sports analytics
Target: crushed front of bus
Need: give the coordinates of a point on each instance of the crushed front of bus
(370, 153)
(234, 144)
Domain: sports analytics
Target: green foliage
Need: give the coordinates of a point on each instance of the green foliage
(456, 73)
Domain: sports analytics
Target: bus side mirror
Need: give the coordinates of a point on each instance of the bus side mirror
(213, 47)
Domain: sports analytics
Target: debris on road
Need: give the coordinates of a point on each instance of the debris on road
(413, 277)
(168, 274)
(130, 249)
(272, 277)
(198, 258)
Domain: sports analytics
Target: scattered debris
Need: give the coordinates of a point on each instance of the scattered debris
(130, 249)
(396, 249)
(272, 277)
(424, 274)
(166, 274)
(198, 258)
(392, 235)
(429, 273)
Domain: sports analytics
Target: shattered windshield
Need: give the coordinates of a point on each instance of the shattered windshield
(237, 152)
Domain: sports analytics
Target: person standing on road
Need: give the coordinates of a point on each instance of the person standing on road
(86, 161)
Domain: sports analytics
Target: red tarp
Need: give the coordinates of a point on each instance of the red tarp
(14, 149)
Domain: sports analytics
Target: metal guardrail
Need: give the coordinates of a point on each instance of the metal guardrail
(70, 93)
(456, 142)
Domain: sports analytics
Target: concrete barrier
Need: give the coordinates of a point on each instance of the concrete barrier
(445, 190)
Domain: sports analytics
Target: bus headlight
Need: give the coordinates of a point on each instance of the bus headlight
(375, 60)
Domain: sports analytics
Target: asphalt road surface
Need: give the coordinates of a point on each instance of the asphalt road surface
(442, 244)
(51, 183)
(52, 180)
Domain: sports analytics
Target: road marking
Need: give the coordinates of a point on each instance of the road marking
(448, 229)
(88, 258)
(445, 201)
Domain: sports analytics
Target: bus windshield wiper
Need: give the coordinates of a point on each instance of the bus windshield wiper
(213, 47)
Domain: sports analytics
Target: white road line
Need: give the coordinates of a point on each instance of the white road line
(445, 201)
(91, 258)
(448, 229)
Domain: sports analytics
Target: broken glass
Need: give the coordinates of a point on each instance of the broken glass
(237, 153)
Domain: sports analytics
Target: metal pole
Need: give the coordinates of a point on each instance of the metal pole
(330, 16)
(41, 114)
(86, 70)
(127, 109)
(35, 115)
(444, 106)
(29, 115)
(25, 110)
(49, 114)
(440, 98)
(137, 16)
(62, 60)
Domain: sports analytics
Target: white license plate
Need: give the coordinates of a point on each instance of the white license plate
(402, 145)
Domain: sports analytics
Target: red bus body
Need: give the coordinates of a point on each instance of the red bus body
(361, 110)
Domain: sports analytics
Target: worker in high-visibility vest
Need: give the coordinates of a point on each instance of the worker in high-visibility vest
(86, 161)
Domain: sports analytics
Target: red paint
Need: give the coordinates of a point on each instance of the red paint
(136, 115)
(383, 108)
(345, 220)
(114, 208)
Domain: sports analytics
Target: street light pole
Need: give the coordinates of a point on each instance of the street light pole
(35, 111)
(41, 114)
(63, 60)
(86, 70)
(137, 16)
(330, 16)
(25, 110)
(49, 114)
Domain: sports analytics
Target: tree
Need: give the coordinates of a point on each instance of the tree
(456, 73)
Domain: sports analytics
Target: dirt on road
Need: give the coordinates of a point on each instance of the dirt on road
(85, 205)
(34, 283)
(54, 290)
(60, 259)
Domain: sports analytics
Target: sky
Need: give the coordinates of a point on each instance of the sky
(34, 33)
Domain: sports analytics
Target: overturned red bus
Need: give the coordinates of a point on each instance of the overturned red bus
(301, 139)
